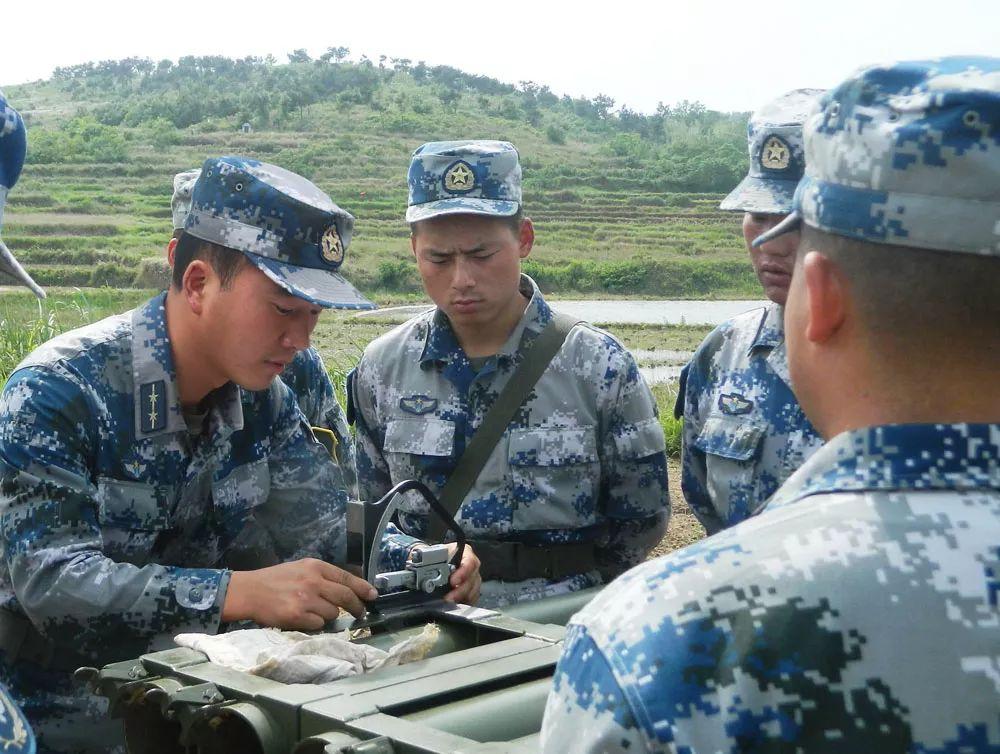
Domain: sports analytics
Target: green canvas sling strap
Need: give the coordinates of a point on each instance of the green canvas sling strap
(535, 360)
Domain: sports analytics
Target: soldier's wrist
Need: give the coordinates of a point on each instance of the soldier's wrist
(238, 601)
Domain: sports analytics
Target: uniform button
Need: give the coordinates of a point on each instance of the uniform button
(195, 594)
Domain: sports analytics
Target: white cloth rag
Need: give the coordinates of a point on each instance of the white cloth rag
(295, 657)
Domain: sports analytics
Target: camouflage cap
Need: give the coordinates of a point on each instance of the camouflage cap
(284, 224)
(464, 177)
(13, 146)
(180, 202)
(774, 137)
(906, 154)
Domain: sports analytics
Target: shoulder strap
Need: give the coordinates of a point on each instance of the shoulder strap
(535, 360)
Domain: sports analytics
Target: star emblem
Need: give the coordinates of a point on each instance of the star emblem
(153, 415)
(331, 246)
(775, 155)
(459, 178)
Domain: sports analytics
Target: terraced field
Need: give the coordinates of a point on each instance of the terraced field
(600, 229)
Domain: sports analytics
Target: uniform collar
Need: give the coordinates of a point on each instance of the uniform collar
(157, 407)
(900, 457)
(771, 331)
(440, 343)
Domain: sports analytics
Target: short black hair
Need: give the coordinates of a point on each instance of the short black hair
(226, 263)
(511, 221)
(914, 295)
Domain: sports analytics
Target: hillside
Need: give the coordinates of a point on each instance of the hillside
(624, 203)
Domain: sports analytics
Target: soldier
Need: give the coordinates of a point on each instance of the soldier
(157, 479)
(744, 432)
(306, 375)
(576, 489)
(15, 735)
(859, 611)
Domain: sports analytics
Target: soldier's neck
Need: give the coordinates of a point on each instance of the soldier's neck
(931, 391)
(487, 339)
(196, 376)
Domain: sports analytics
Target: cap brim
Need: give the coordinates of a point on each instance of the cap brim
(461, 206)
(765, 195)
(12, 267)
(789, 224)
(321, 287)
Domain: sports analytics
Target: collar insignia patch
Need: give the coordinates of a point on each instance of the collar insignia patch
(153, 406)
(776, 154)
(459, 178)
(332, 247)
(418, 404)
(734, 404)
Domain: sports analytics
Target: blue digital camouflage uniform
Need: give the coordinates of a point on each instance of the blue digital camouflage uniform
(860, 611)
(583, 461)
(744, 432)
(581, 465)
(306, 375)
(15, 735)
(120, 524)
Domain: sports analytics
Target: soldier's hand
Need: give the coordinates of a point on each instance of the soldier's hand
(303, 594)
(465, 581)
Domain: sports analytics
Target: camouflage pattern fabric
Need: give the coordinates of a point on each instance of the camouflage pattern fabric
(119, 526)
(859, 612)
(583, 461)
(309, 381)
(906, 154)
(285, 225)
(479, 177)
(744, 432)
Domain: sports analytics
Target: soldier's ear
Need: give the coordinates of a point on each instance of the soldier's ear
(171, 250)
(826, 296)
(526, 237)
(196, 284)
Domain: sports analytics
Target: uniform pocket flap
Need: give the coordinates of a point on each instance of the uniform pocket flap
(131, 505)
(425, 437)
(729, 437)
(552, 447)
(641, 439)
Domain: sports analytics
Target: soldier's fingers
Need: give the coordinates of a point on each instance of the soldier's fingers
(356, 584)
(343, 596)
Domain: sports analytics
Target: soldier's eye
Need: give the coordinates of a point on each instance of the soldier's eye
(282, 310)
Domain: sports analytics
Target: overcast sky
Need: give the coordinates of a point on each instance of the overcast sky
(731, 55)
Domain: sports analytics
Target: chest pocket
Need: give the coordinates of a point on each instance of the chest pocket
(731, 445)
(421, 449)
(131, 516)
(555, 474)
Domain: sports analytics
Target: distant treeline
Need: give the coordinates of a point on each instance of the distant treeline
(684, 147)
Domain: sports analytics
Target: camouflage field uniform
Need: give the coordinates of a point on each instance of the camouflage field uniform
(119, 524)
(860, 611)
(583, 461)
(121, 519)
(744, 432)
